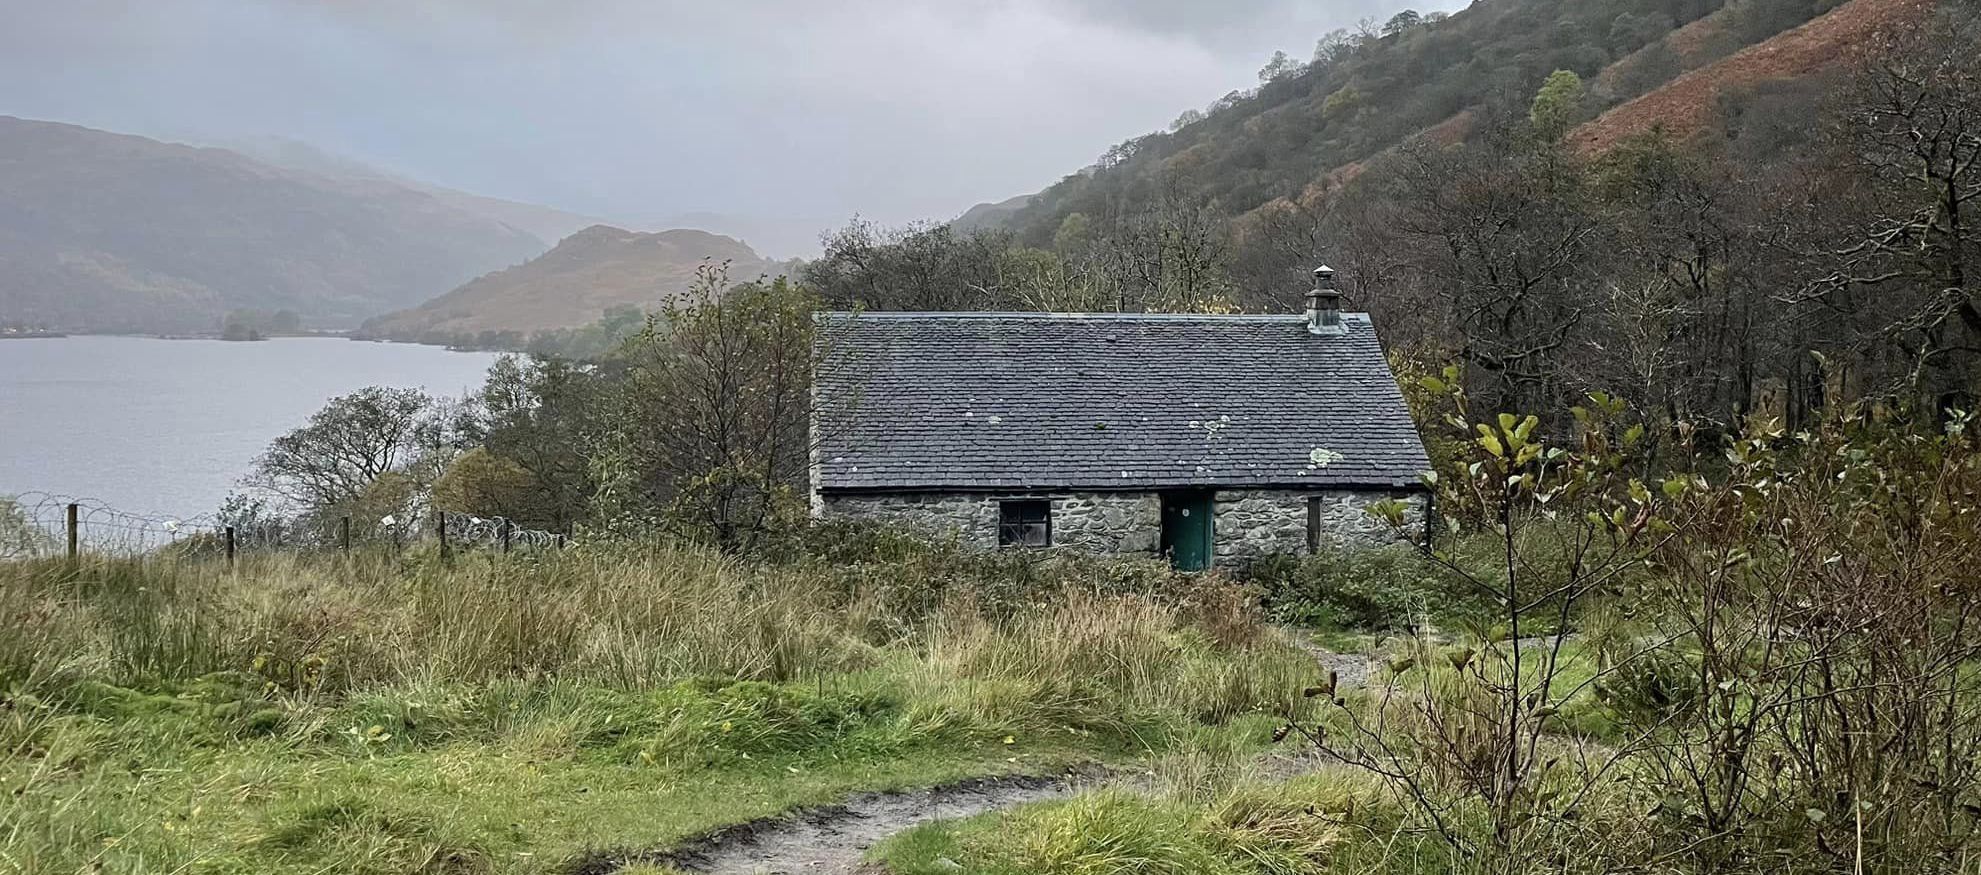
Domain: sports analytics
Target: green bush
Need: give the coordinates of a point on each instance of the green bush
(1653, 686)
(1376, 589)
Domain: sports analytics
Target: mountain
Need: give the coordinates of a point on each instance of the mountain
(1311, 126)
(990, 215)
(110, 232)
(595, 270)
(1687, 105)
(547, 224)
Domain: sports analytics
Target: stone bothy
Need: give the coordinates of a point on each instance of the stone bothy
(1206, 439)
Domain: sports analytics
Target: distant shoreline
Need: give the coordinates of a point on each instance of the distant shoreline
(216, 336)
(140, 335)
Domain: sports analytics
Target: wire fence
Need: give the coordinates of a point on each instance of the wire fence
(43, 524)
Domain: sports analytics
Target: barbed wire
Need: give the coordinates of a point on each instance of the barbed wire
(37, 524)
(495, 533)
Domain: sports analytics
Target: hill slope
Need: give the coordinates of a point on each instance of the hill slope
(573, 285)
(108, 232)
(1364, 95)
(1685, 105)
(547, 224)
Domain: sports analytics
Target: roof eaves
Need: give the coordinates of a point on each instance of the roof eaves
(1398, 484)
(1033, 315)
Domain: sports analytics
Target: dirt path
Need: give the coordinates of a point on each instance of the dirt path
(1351, 670)
(831, 840)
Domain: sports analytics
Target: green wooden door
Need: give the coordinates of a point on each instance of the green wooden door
(1186, 529)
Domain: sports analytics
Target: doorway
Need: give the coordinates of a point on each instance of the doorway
(1187, 530)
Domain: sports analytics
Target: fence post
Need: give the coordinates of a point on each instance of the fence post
(560, 540)
(505, 536)
(230, 546)
(75, 533)
(344, 533)
(440, 528)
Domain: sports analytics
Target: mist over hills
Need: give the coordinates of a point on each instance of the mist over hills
(110, 232)
(547, 224)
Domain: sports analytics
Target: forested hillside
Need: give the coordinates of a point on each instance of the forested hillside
(1765, 206)
(107, 232)
(1365, 92)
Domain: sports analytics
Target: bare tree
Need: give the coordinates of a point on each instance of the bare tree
(1499, 234)
(351, 445)
(1905, 213)
(1169, 257)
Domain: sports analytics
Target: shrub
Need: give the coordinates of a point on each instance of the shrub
(1376, 589)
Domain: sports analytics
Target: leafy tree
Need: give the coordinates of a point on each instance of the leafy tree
(1341, 101)
(1557, 105)
(588, 342)
(1278, 67)
(1333, 47)
(713, 412)
(920, 267)
(481, 483)
(1075, 235)
(542, 416)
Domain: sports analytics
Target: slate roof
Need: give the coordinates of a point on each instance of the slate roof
(1018, 401)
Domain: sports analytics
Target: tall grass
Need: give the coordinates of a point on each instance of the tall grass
(621, 619)
(633, 619)
(274, 696)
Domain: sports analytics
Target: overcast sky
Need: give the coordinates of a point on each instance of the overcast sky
(784, 117)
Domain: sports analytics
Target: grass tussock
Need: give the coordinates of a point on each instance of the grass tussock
(1296, 827)
(383, 713)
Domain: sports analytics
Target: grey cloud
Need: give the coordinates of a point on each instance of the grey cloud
(1232, 20)
(788, 115)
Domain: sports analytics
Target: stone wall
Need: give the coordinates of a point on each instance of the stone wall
(1105, 522)
(1098, 522)
(1257, 522)
(1248, 523)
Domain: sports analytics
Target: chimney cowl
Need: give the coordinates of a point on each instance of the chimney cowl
(1324, 304)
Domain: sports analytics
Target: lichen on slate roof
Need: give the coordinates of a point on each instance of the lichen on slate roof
(934, 401)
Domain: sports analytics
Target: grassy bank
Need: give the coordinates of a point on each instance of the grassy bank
(393, 714)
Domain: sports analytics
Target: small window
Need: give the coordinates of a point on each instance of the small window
(1314, 525)
(1024, 523)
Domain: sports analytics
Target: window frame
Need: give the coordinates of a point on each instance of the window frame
(1313, 525)
(1015, 525)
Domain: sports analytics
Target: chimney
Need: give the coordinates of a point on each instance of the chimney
(1324, 304)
